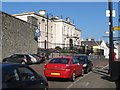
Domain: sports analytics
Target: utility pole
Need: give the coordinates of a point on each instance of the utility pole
(111, 45)
(47, 29)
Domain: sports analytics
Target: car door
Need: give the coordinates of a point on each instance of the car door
(10, 78)
(20, 58)
(79, 66)
(76, 66)
(29, 78)
(13, 58)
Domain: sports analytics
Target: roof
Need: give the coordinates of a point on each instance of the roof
(24, 13)
(4, 65)
(99, 42)
(89, 43)
(44, 16)
(64, 57)
(80, 55)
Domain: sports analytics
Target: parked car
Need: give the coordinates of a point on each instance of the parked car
(21, 76)
(41, 57)
(20, 58)
(86, 62)
(38, 58)
(63, 67)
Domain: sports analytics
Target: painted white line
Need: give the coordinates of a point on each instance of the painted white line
(104, 67)
(79, 78)
(87, 83)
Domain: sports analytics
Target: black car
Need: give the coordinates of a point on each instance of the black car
(21, 76)
(20, 58)
(86, 62)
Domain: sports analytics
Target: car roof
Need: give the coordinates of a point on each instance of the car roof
(6, 65)
(64, 57)
(81, 55)
(21, 54)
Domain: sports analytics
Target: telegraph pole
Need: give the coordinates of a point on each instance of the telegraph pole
(111, 45)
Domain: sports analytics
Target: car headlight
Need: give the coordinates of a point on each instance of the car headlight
(84, 65)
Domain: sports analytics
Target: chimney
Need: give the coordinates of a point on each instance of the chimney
(68, 19)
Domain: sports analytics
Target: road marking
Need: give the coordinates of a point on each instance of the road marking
(84, 77)
(105, 66)
(79, 78)
(87, 83)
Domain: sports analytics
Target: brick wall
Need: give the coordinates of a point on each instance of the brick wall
(17, 36)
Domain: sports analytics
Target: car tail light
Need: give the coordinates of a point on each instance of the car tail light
(45, 66)
(67, 67)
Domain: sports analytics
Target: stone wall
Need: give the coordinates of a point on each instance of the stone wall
(17, 36)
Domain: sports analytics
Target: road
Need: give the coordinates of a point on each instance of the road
(98, 78)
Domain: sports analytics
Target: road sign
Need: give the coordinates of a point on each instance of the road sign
(116, 28)
(37, 33)
(108, 13)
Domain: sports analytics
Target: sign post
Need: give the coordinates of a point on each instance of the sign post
(116, 28)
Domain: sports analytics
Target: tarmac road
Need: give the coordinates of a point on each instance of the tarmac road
(98, 78)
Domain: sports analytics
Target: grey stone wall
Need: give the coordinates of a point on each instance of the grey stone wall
(17, 36)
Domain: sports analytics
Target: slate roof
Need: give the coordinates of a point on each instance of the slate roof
(89, 43)
(99, 42)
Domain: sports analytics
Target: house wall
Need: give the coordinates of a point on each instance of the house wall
(105, 48)
(57, 34)
(78, 34)
(17, 36)
(117, 51)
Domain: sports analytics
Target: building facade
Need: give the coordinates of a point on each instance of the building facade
(96, 47)
(54, 31)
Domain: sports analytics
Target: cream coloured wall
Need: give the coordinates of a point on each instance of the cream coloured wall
(59, 31)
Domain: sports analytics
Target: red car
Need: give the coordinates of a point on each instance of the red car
(63, 67)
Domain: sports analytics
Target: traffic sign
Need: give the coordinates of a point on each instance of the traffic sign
(116, 28)
(37, 33)
(108, 13)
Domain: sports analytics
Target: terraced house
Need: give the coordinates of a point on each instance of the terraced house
(52, 31)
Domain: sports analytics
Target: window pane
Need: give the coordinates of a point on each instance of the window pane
(60, 60)
(26, 74)
(10, 76)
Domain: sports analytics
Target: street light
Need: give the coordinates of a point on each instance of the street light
(47, 29)
(43, 12)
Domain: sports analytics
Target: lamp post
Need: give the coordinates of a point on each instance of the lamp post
(47, 29)
(43, 12)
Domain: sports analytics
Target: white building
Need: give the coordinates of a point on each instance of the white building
(117, 51)
(102, 45)
(54, 31)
